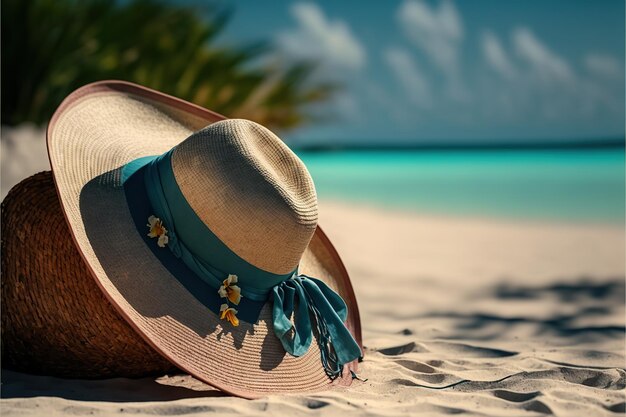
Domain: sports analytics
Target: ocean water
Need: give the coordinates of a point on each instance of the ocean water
(585, 185)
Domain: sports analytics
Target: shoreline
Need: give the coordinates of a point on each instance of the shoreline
(470, 145)
(487, 219)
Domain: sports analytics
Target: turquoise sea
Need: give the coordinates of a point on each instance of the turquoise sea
(570, 185)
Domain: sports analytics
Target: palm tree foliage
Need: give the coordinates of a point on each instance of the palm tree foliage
(51, 47)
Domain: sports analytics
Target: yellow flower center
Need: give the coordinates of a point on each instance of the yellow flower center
(158, 229)
(233, 296)
(229, 315)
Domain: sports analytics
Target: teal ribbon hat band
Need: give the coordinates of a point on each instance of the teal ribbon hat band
(202, 262)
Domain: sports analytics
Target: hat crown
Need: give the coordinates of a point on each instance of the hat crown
(250, 190)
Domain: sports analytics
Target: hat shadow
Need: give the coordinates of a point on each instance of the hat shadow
(270, 360)
(118, 390)
(112, 232)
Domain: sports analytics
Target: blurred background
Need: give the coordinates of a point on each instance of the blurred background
(507, 110)
(468, 156)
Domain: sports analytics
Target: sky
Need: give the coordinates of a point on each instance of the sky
(418, 71)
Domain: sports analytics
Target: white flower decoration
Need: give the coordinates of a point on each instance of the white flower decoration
(229, 290)
(230, 314)
(157, 230)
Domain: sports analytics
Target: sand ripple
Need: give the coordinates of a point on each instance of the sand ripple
(486, 319)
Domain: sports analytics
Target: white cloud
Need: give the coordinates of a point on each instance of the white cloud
(496, 56)
(316, 37)
(603, 65)
(540, 83)
(546, 64)
(409, 75)
(436, 31)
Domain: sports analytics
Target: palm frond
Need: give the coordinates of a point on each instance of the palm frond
(51, 47)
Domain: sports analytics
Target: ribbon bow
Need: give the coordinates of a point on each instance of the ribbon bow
(306, 296)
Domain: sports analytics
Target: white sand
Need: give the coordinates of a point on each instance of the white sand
(459, 316)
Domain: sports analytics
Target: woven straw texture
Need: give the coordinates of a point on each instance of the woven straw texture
(96, 131)
(55, 319)
(251, 190)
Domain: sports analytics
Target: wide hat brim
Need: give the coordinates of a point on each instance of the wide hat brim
(96, 131)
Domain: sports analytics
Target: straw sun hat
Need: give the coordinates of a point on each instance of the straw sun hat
(202, 233)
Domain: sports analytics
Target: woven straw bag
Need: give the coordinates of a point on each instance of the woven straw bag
(55, 319)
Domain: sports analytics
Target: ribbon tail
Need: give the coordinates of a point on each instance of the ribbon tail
(314, 298)
(298, 341)
(335, 340)
(333, 298)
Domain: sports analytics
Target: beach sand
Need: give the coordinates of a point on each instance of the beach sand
(460, 316)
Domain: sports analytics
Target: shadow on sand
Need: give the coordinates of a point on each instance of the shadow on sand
(20, 385)
(588, 308)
